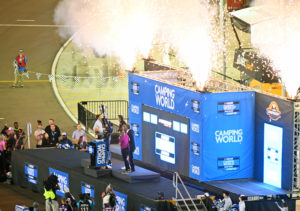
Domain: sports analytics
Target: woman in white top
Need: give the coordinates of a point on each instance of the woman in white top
(242, 206)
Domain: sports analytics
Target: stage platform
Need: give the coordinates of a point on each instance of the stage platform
(69, 161)
(140, 174)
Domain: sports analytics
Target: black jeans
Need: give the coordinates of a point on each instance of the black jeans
(124, 155)
(131, 159)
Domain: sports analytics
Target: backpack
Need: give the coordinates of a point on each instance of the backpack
(112, 199)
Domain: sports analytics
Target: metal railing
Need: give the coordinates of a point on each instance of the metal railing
(177, 177)
(88, 111)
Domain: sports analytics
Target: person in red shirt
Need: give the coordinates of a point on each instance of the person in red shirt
(20, 67)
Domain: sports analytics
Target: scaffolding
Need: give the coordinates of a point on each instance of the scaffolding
(296, 147)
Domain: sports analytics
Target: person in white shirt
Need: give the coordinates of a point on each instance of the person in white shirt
(242, 206)
(227, 202)
(283, 206)
(98, 127)
(77, 134)
(38, 134)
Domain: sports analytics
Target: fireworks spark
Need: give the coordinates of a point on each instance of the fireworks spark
(278, 39)
(127, 29)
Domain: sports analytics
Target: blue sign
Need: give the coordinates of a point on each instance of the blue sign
(31, 173)
(101, 158)
(121, 201)
(63, 181)
(220, 129)
(88, 189)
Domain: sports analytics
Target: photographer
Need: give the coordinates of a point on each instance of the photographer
(85, 203)
(109, 199)
(50, 187)
(64, 205)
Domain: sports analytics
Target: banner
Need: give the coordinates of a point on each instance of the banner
(63, 181)
(228, 136)
(88, 189)
(31, 173)
(121, 201)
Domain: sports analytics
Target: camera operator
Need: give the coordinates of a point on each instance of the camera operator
(85, 203)
(50, 187)
(108, 129)
(109, 199)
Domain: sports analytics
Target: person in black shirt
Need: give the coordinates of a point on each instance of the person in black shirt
(130, 133)
(48, 128)
(121, 122)
(53, 135)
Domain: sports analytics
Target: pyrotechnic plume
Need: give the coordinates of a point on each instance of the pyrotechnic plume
(279, 39)
(127, 29)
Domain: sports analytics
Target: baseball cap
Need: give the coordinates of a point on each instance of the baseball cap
(21, 51)
(64, 134)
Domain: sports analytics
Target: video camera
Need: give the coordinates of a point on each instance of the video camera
(108, 127)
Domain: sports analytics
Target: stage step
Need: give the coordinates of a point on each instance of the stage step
(140, 174)
(182, 207)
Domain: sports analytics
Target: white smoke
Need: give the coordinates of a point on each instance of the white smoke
(279, 39)
(127, 29)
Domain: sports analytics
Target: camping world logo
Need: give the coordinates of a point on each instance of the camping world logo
(273, 111)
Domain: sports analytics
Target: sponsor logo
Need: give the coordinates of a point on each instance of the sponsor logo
(195, 127)
(229, 136)
(137, 151)
(229, 108)
(135, 129)
(164, 97)
(195, 148)
(196, 170)
(135, 88)
(196, 106)
(101, 159)
(135, 109)
(273, 111)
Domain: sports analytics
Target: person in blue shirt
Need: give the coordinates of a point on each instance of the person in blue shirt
(20, 67)
(65, 143)
(85, 203)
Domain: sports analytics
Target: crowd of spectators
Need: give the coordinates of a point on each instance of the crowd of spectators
(14, 138)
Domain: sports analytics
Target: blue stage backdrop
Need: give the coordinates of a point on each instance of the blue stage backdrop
(213, 133)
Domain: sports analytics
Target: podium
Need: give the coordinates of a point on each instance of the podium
(97, 150)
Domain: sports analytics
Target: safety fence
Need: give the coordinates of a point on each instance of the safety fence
(88, 111)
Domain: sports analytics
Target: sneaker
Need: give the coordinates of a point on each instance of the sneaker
(123, 168)
(109, 166)
(125, 172)
(13, 86)
(132, 170)
(21, 86)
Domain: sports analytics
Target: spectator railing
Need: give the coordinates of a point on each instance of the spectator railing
(88, 111)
